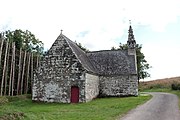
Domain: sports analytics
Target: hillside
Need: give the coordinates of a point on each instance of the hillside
(160, 83)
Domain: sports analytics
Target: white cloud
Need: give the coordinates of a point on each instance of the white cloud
(105, 20)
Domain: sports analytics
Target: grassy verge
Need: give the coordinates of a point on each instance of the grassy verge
(162, 85)
(168, 90)
(21, 107)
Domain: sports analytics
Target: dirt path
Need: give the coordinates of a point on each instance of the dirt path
(163, 106)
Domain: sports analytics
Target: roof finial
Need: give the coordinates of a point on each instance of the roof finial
(61, 31)
(129, 22)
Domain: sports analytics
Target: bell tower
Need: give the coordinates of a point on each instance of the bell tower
(131, 40)
(131, 43)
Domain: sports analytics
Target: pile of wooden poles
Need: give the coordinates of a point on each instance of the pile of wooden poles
(16, 69)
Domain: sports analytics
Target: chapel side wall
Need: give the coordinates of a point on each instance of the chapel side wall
(91, 86)
(126, 85)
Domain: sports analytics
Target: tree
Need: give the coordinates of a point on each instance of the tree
(25, 40)
(80, 46)
(142, 64)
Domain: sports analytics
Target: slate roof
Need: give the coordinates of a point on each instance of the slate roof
(112, 62)
(107, 62)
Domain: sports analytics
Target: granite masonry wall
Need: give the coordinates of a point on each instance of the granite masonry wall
(125, 85)
(91, 86)
(58, 72)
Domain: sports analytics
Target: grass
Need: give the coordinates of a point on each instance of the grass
(21, 107)
(161, 85)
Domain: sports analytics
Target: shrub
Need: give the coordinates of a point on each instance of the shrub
(175, 86)
(12, 116)
(3, 100)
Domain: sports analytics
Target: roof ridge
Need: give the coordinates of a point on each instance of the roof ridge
(105, 51)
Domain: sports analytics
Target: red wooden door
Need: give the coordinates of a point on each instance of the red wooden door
(74, 94)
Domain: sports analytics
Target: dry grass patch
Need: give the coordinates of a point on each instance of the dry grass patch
(159, 84)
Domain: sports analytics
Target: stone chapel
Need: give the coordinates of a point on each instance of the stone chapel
(67, 74)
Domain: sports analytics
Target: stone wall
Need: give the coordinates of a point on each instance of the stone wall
(58, 91)
(58, 71)
(91, 86)
(119, 86)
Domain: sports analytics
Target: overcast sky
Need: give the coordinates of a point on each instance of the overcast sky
(101, 24)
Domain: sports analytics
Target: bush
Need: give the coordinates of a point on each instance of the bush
(175, 86)
(13, 116)
(3, 100)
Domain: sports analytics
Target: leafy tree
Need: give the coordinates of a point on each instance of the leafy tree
(142, 64)
(25, 40)
(80, 46)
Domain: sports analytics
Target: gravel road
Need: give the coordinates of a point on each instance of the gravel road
(163, 106)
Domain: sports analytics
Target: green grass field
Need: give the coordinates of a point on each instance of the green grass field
(21, 107)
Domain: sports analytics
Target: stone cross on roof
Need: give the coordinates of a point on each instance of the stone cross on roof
(61, 31)
(129, 22)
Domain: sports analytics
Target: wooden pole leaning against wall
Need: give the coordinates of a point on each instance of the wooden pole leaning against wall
(4, 67)
(19, 70)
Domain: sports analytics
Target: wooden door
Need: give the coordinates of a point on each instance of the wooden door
(74, 94)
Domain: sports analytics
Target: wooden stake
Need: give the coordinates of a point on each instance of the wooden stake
(13, 68)
(32, 74)
(2, 42)
(10, 78)
(7, 66)
(23, 69)
(4, 68)
(27, 77)
(19, 71)
(1, 47)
